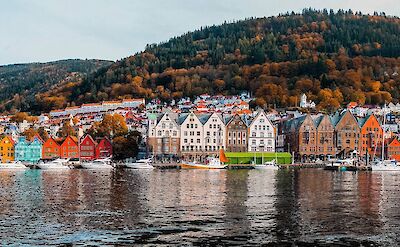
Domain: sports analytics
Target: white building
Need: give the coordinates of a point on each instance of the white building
(306, 104)
(192, 135)
(261, 134)
(214, 134)
(164, 134)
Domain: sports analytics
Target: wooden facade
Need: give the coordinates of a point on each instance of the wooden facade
(371, 137)
(51, 149)
(69, 148)
(347, 134)
(88, 148)
(236, 137)
(104, 148)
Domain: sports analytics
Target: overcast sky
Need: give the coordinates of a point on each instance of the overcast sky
(48, 30)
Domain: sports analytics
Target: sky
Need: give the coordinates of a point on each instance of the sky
(49, 30)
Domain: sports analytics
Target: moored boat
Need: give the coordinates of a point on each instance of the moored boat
(269, 165)
(211, 163)
(14, 165)
(97, 164)
(140, 164)
(385, 165)
(57, 164)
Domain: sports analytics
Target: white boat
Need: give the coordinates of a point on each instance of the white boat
(269, 165)
(211, 163)
(385, 165)
(140, 164)
(57, 164)
(13, 166)
(97, 164)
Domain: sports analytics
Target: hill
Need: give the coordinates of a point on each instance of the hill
(333, 57)
(19, 83)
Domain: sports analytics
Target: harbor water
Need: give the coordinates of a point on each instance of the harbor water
(308, 207)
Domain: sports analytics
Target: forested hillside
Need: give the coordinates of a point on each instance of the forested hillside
(19, 83)
(333, 57)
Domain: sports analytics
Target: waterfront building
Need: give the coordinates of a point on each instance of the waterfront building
(192, 135)
(51, 149)
(88, 148)
(236, 134)
(261, 134)
(371, 136)
(163, 134)
(7, 149)
(325, 141)
(69, 148)
(347, 134)
(392, 150)
(214, 134)
(34, 150)
(104, 148)
(21, 149)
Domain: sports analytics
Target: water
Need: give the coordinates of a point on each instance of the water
(197, 207)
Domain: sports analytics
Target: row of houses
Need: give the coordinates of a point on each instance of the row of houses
(197, 136)
(98, 107)
(38, 149)
(340, 135)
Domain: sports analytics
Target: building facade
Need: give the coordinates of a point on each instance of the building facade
(69, 148)
(347, 134)
(51, 149)
(192, 136)
(7, 149)
(261, 134)
(214, 135)
(236, 134)
(87, 148)
(104, 148)
(164, 134)
(325, 142)
(371, 137)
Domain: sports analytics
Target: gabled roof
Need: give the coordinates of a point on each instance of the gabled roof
(295, 123)
(90, 138)
(182, 117)
(204, 118)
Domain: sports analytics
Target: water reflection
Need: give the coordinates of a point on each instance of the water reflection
(197, 207)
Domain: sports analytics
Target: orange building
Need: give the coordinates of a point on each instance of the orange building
(371, 136)
(7, 149)
(51, 149)
(393, 149)
(69, 148)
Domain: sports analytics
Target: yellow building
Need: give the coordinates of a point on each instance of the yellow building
(7, 149)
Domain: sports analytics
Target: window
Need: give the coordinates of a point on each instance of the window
(253, 134)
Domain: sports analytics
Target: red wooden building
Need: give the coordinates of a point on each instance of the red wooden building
(104, 148)
(393, 149)
(88, 148)
(69, 148)
(51, 149)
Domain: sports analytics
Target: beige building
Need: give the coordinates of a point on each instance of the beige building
(163, 134)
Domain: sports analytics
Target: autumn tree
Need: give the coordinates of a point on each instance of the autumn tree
(111, 126)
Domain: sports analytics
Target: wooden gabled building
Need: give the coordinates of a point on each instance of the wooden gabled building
(347, 134)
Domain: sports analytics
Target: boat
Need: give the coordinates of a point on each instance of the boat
(13, 166)
(385, 165)
(140, 164)
(57, 164)
(104, 163)
(269, 165)
(211, 163)
(340, 164)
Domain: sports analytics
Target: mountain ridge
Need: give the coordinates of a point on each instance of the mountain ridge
(333, 57)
